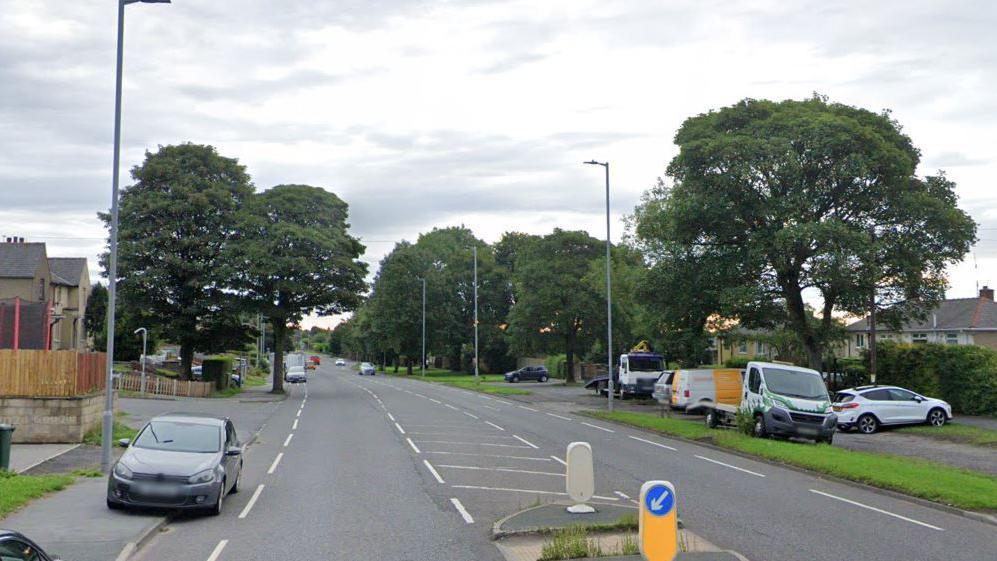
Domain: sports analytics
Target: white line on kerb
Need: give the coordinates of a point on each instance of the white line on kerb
(622, 494)
(559, 417)
(510, 470)
(730, 466)
(494, 425)
(414, 447)
(273, 466)
(597, 427)
(874, 509)
(218, 550)
(469, 415)
(400, 429)
(653, 443)
(390, 416)
(559, 460)
(288, 439)
(433, 471)
(295, 425)
(526, 442)
(252, 501)
(527, 408)
(463, 511)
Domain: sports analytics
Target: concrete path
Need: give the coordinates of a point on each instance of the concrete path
(25, 456)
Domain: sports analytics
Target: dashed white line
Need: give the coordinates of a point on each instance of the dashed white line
(559, 417)
(390, 416)
(730, 466)
(414, 447)
(484, 397)
(288, 439)
(510, 470)
(463, 511)
(622, 494)
(874, 509)
(298, 413)
(526, 442)
(529, 458)
(295, 425)
(432, 470)
(469, 415)
(451, 406)
(452, 442)
(218, 550)
(400, 429)
(273, 466)
(534, 491)
(436, 401)
(559, 460)
(494, 425)
(653, 443)
(252, 501)
(597, 427)
(490, 407)
(527, 408)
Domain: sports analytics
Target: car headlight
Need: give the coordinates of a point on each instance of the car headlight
(206, 476)
(122, 471)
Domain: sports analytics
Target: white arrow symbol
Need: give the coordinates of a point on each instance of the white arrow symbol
(656, 503)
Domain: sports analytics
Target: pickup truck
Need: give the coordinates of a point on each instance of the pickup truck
(784, 400)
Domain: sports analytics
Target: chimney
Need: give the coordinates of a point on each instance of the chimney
(987, 292)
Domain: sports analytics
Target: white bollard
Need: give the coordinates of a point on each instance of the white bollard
(579, 482)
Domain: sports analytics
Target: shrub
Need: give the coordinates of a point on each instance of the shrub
(556, 365)
(217, 369)
(744, 420)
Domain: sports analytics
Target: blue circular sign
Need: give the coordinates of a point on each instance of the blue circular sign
(659, 500)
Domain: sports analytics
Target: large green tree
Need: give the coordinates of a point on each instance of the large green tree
(395, 302)
(175, 226)
(772, 202)
(295, 256)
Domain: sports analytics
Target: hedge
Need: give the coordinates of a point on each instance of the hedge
(217, 369)
(963, 375)
(556, 365)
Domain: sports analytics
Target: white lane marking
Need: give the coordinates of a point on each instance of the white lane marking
(463, 511)
(414, 447)
(559, 417)
(494, 425)
(273, 466)
(559, 460)
(252, 501)
(874, 509)
(295, 425)
(435, 401)
(472, 443)
(652, 443)
(422, 396)
(511, 490)
(218, 550)
(299, 413)
(408, 392)
(400, 429)
(469, 415)
(460, 434)
(288, 440)
(390, 416)
(490, 407)
(438, 426)
(526, 442)
(730, 466)
(510, 470)
(530, 458)
(432, 470)
(484, 397)
(451, 406)
(527, 408)
(621, 494)
(597, 427)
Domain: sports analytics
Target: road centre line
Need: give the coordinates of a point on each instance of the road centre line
(484, 397)
(288, 440)
(298, 414)
(597, 427)
(390, 416)
(874, 509)
(510, 470)
(559, 417)
(252, 501)
(451, 406)
(653, 443)
(483, 488)
(469, 415)
(218, 550)
(414, 447)
(559, 460)
(436, 401)
(730, 466)
(295, 425)
(472, 443)
(432, 470)
(399, 427)
(273, 466)
(490, 407)
(494, 425)
(527, 408)
(529, 458)
(463, 511)
(526, 442)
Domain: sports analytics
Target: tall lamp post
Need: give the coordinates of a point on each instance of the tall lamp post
(423, 367)
(475, 248)
(107, 422)
(145, 333)
(609, 291)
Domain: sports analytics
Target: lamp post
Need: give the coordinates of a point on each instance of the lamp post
(107, 422)
(475, 250)
(145, 333)
(609, 291)
(423, 366)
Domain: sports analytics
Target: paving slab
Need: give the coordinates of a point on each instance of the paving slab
(25, 456)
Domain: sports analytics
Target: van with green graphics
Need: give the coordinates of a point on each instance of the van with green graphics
(784, 400)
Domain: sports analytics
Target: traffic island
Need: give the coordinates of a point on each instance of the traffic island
(549, 532)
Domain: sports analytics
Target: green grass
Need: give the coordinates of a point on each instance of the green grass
(575, 542)
(16, 490)
(625, 523)
(254, 381)
(483, 383)
(230, 391)
(964, 434)
(919, 478)
(121, 430)
(88, 472)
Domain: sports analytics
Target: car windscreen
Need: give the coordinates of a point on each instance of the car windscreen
(793, 383)
(644, 364)
(177, 436)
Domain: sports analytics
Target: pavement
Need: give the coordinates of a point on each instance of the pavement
(26, 456)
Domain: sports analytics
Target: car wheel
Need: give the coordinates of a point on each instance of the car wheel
(543, 378)
(867, 424)
(829, 440)
(217, 508)
(936, 417)
(515, 379)
(114, 505)
(760, 431)
(238, 481)
(711, 419)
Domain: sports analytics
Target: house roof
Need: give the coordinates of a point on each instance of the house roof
(950, 315)
(67, 270)
(20, 260)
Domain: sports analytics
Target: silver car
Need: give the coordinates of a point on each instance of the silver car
(178, 461)
(367, 369)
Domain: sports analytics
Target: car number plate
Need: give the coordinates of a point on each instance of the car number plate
(158, 490)
(836, 408)
(807, 431)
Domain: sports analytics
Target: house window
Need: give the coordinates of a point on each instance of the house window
(860, 340)
(951, 338)
(759, 348)
(919, 337)
(41, 289)
(742, 348)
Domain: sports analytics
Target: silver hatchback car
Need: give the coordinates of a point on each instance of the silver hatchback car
(178, 461)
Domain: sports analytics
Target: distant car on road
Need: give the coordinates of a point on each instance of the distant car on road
(316, 360)
(178, 460)
(538, 373)
(367, 369)
(340, 362)
(295, 375)
(866, 408)
(17, 547)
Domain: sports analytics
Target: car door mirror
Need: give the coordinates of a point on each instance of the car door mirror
(918, 398)
(124, 442)
(233, 451)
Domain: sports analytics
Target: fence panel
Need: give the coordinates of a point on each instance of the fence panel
(36, 373)
(161, 385)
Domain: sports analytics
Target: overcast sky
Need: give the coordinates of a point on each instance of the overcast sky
(436, 113)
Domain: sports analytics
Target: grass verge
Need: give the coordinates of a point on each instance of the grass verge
(963, 434)
(465, 381)
(16, 490)
(919, 478)
(254, 381)
(574, 542)
(120, 431)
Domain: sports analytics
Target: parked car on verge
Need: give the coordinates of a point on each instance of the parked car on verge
(178, 460)
(694, 390)
(367, 369)
(295, 375)
(340, 362)
(866, 408)
(14, 546)
(538, 373)
(663, 388)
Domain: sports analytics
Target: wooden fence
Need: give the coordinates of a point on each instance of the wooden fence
(37, 373)
(161, 385)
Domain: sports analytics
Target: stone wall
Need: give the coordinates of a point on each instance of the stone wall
(52, 419)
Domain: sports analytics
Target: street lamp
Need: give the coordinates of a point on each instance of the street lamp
(145, 333)
(107, 422)
(609, 292)
(423, 365)
(475, 250)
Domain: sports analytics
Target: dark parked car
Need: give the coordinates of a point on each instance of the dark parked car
(15, 547)
(538, 373)
(178, 460)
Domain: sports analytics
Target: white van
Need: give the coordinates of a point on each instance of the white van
(692, 389)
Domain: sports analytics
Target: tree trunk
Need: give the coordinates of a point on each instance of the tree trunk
(798, 318)
(569, 353)
(409, 366)
(279, 334)
(396, 366)
(186, 360)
